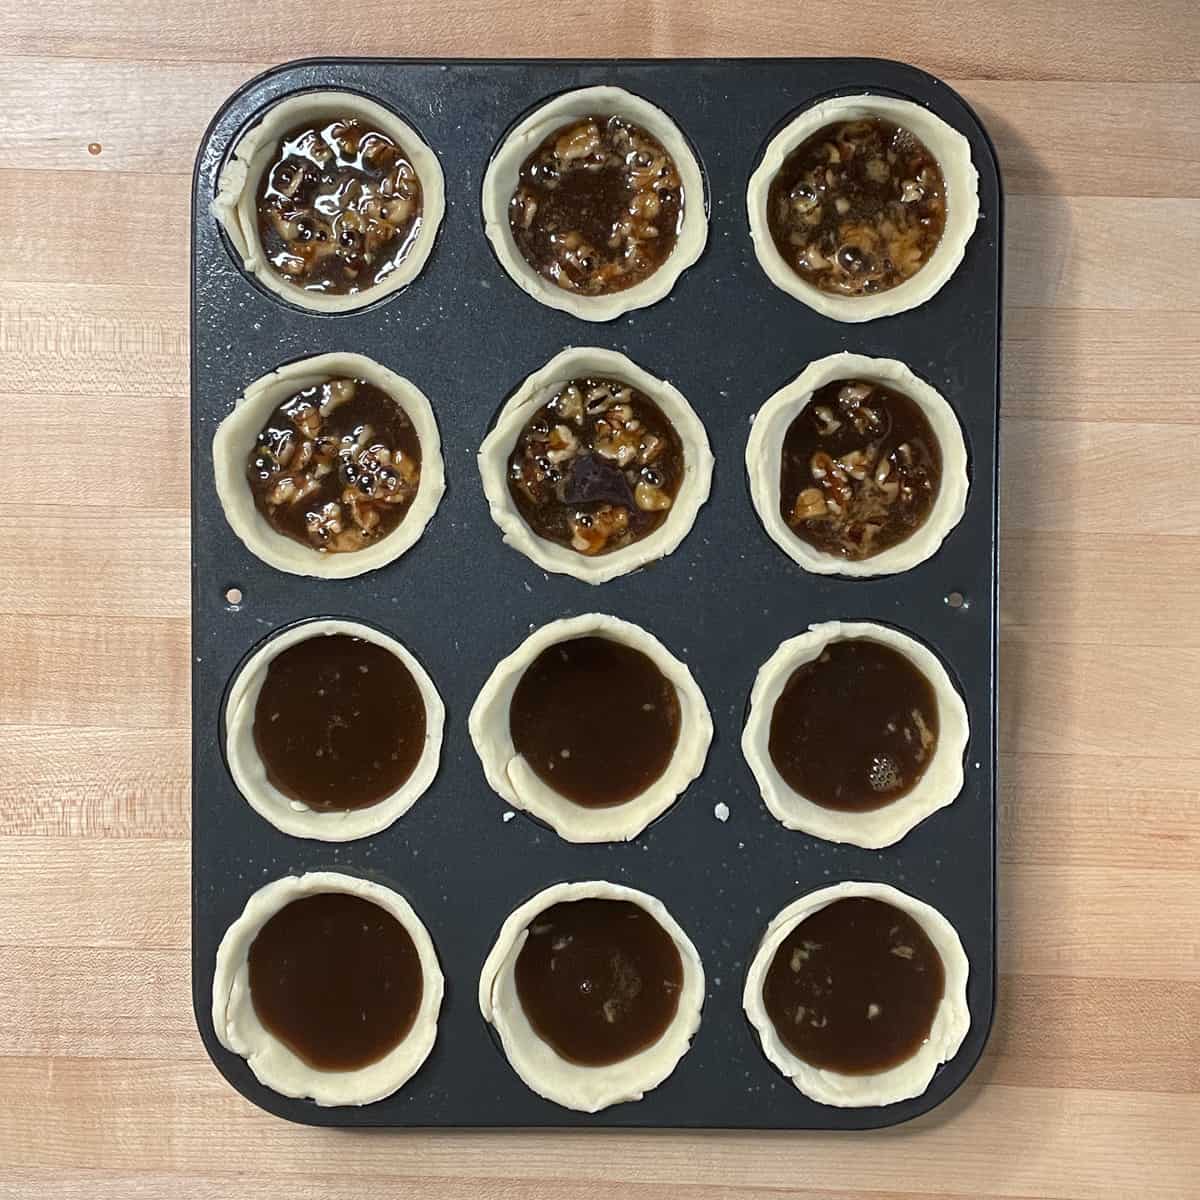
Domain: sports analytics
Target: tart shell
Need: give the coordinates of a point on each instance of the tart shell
(235, 205)
(543, 1070)
(940, 784)
(907, 1079)
(503, 173)
(274, 1065)
(953, 154)
(764, 450)
(250, 775)
(511, 777)
(534, 392)
(237, 435)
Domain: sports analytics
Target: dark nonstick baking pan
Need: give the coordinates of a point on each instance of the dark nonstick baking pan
(460, 600)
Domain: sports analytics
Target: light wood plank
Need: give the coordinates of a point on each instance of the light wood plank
(1083, 366)
(80, 670)
(1022, 39)
(77, 879)
(1119, 478)
(95, 338)
(72, 781)
(148, 117)
(1091, 139)
(1061, 250)
(1050, 1031)
(129, 1101)
(105, 559)
(1096, 700)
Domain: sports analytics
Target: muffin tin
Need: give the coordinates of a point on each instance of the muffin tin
(460, 600)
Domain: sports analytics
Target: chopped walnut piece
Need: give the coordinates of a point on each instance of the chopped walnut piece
(591, 532)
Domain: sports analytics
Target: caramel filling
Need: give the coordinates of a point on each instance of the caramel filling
(857, 208)
(599, 980)
(854, 728)
(336, 466)
(338, 208)
(337, 979)
(597, 467)
(855, 987)
(598, 206)
(339, 723)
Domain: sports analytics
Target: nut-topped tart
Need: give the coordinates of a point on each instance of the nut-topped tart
(592, 726)
(594, 203)
(857, 467)
(594, 467)
(595, 991)
(332, 201)
(330, 467)
(863, 205)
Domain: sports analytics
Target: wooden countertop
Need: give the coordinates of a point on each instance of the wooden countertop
(1090, 1085)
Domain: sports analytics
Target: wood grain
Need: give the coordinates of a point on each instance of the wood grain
(1090, 1086)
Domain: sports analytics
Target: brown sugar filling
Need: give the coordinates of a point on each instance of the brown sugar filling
(339, 207)
(595, 720)
(856, 727)
(860, 470)
(336, 466)
(857, 208)
(337, 979)
(598, 206)
(339, 723)
(598, 979)
(855, 987)
(597, 467)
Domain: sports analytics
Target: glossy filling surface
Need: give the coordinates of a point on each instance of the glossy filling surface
(854, 728)
(596, 720)
(339, 723)
(598, 206)
(855, 987)
(338, 207)
(857, 208)
(598, 979)
(597, 467)
(860, 469)
(337, 979)
(336, 467)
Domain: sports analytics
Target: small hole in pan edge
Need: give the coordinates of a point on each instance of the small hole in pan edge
(234, 597)
(957, 600)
